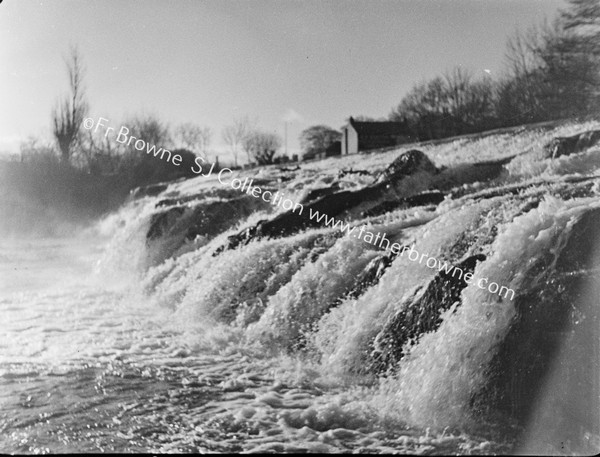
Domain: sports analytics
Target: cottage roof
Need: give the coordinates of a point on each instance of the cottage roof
(378, 128)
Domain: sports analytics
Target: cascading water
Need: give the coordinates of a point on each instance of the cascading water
(204, 319)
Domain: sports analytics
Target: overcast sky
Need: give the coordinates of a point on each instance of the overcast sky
(307, 62)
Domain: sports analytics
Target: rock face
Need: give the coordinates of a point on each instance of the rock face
(149, 191)
(161, 222)
(409, 163)
(370, 276)
(421, 315)
(215, 217)
(422, 199)
(372, 273)
(315, 194)
(172, 227)
(286, 224)
(203, 219)
(545, 373)
(291, 222)
(564, 146)
(252, 296)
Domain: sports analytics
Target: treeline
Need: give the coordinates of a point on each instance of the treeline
(76, 150)
(551, 72)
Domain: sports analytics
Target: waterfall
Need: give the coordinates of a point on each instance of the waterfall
(430, 350)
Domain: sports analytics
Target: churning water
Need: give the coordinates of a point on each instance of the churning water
(134, 335)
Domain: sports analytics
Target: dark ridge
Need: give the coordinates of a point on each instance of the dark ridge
(216, 217)
(316, 194)
(258, 294)
(289, 170)
(160, 223)
(503, 161)
(426, 198)
(170, 228)
(421, 314)
(516, 189)
(291, 222)
(567, 145)
(350, 171)
(218, 193)
(370, 276)
(149, 191)
(559, 316)
(408, 163)
(176, 201)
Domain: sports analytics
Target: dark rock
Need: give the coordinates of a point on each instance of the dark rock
(257, 293)
(372, 273)
(210, 219)
(420, 315)
(322, 244)
(289, 170)
(286, 224)
(241, 238)
(454, 178)
(383, 207)
(370, 276)
(545, 372)
(289, 223)
(350, 171)
(567, 188)
(315, 194)
(425, 198)
(171, 228)
(149, 191)
(161, 222)
(564, 146)
(409, 163)
(177, 201)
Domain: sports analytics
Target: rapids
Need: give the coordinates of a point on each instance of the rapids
(141, 333)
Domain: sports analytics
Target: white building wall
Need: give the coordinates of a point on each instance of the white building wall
(349, 140)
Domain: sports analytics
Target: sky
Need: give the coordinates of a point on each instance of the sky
(276, 61)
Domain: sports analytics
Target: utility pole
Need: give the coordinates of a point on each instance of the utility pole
(286, 136)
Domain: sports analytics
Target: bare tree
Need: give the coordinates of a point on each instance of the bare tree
(457, 85)
(262, 146)
(454, 104)
(100, 154)
(70, 112)
(205, 140)
(150, 129)
(520, 91)
(522, 51)
(554, 68)
(188, 135)
(584, 15)
(234, 136)
(195, 138)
